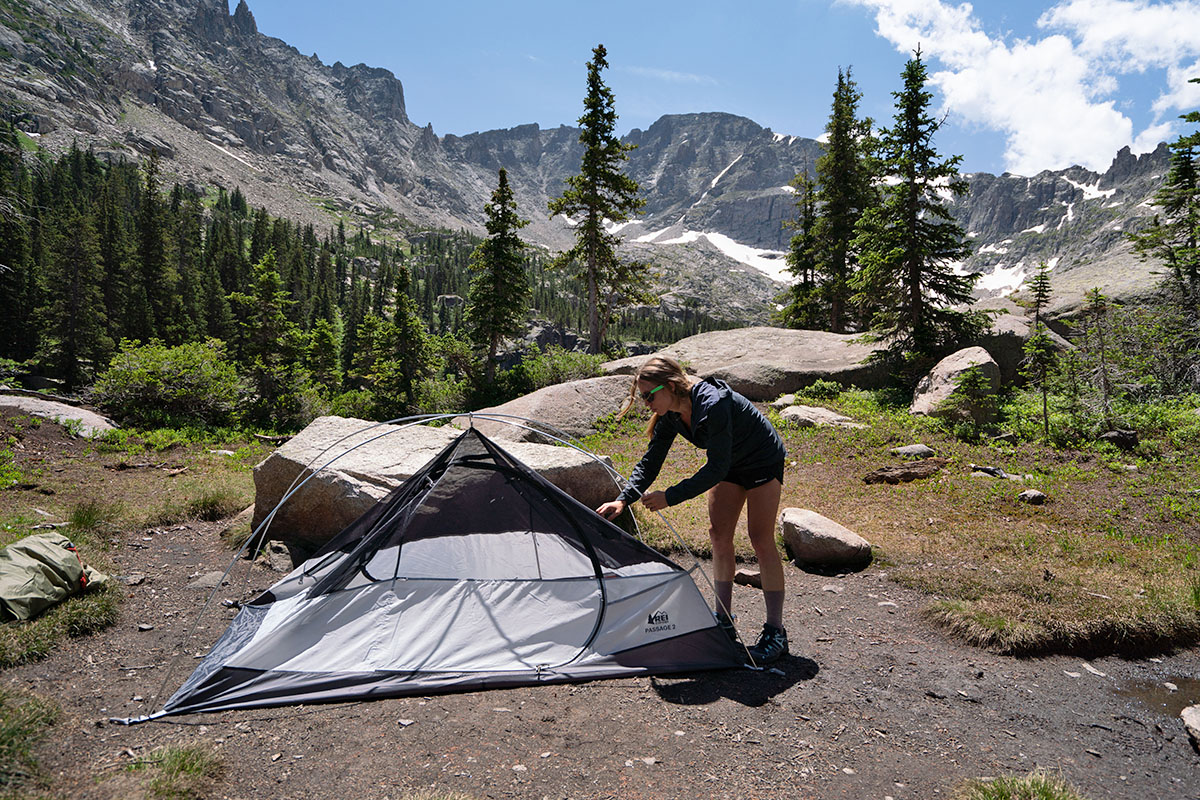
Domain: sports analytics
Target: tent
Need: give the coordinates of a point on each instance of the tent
(474, 573)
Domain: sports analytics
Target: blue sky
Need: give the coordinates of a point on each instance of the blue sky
(1024, 85)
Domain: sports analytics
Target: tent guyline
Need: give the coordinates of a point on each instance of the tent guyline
(474, 573)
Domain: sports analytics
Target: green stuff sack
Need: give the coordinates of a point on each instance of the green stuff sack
(39, 571)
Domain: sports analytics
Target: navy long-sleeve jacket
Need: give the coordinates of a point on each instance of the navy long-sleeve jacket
(726, 425)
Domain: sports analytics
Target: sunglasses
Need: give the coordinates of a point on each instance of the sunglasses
(647, 396)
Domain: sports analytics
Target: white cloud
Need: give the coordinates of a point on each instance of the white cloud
(1053, 97)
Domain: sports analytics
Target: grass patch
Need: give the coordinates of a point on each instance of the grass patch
(79, 615)
(181, 773)
(1035, 786)
(94, 516)
(25, 719)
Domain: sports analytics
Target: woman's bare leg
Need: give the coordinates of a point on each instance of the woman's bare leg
(725, 501)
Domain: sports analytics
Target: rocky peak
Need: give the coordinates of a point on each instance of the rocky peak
(243, 20)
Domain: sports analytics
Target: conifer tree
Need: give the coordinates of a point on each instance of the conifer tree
(18, 269)
(909, 244)
(157, 277)
(846, 190)
(267, 345)
(802, 300)
(1173, 238)
(74, 317)
(598, 193)
(498, 297)
(1039, 360)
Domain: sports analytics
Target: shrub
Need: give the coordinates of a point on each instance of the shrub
(153, 385)
(539, 369)
(821, 389)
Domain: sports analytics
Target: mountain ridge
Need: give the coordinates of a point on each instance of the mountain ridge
(226, 104)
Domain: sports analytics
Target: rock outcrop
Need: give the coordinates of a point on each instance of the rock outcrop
(570, 408)
(763, 363)
(354, 463)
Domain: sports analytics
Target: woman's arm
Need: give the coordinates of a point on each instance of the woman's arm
(719, 450)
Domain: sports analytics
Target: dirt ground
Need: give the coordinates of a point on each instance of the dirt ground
(872, 703)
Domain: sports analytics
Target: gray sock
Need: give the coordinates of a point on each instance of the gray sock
(724, 591)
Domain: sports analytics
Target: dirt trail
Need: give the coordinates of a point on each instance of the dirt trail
(873, 703)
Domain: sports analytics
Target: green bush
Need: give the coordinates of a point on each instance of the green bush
(153, 385)
(554, 365)
(821, 389)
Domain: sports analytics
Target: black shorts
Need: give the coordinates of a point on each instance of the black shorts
(757, 476)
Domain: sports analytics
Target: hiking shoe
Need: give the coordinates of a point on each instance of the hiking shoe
(771, 646)
(725, 624)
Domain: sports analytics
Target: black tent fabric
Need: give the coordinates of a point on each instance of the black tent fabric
(474, 573)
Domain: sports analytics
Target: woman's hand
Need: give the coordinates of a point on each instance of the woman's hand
(611, 510)
(655, 501)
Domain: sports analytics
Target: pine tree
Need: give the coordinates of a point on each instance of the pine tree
(1174, 235)
(268, 346)
(1040, 353)
(157, 276)
(909, 244)
(498, 297)
(601, 192)
(74, 318)
(845, 178)
(803, 300)
(18, 269)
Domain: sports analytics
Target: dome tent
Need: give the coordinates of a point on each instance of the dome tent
(474, 573)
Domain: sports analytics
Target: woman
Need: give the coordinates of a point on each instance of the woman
(744, 467)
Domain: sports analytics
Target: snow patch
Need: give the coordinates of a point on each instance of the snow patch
(1091, 191)
(713, 185)
(769, 262)
(1036, 229)
(1003, 280)
(993, 248)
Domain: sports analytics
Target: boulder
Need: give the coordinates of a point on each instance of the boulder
(357, 463)
(1033, 497)
(938, 385)
(908, 472)
(90, 423)
(763, 363)
(571, 408)
(815, 416)
(814, 540)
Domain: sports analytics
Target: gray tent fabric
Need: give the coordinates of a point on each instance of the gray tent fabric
(474, 573)
(40, 571)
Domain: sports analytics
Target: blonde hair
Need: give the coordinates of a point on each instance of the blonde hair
(660, 371)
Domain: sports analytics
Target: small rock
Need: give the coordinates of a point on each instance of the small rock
(143, 627)
(519, 768)
(1070, 674)
(994, 472)
(1191, 721)
(209, 580)
(1094, 671)
(887, 604)
(276, 757)
(1033, 497)
(1170, 686)
(913, 451)
(1125, 440)
(849, 771)
(748, 577)
(136, 579)
(404, 723)
(831, 587)
(783, 401)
